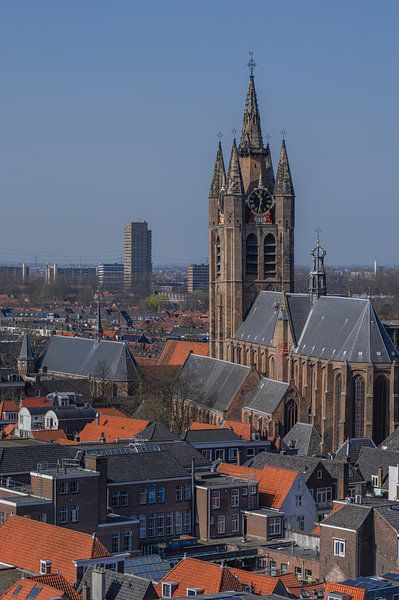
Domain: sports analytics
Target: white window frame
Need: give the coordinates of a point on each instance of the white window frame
(235, 523)
(75, 513)
(339, 547)
(215, 500)
(221, 524)
(63, 487)
(63, 514)
(274, 526)
(298, 500)
(232, 453)
(319, 473)
(235, 497)
(219, 454)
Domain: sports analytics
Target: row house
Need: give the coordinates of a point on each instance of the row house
(224, 444)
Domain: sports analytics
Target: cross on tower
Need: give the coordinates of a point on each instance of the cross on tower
(318, 232)
(283, 133)
(251, 64)
(234, 132)
(220, 135)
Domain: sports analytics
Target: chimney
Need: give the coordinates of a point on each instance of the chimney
(239, 457)
(98, 584)
(97, 418)
(85, 591)
(380, 477)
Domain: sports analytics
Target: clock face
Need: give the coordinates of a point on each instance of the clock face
(260, 201)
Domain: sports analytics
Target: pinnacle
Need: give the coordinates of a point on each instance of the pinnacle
(219, 174)
(284, 185)
(234, 180)
(251, 134)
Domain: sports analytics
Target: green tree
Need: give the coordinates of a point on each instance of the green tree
(155, 302)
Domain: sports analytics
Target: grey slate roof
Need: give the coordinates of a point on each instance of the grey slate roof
(259, 325)
(266, 396)
(304, 437)
(82, 357)
(350, 449)
(144, 466)
(391, 442)
(156, 433)
(120, 586)
(8, 577)
(340, 328)
(390, 514)
(24, 458)
(26, 349)
(212, 382)
(350, 516)
(371, 458)
(210, 435)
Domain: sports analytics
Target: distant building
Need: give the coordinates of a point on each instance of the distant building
(110, 276)
(20, 274)
(198, 278)
(138, 257)
(79, 275)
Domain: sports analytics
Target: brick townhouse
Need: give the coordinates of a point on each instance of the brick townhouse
(224, 444)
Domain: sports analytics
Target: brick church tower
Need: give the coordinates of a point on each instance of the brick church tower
(251, 227)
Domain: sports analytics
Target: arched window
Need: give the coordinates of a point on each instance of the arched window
(218, 257)
(251, 254)
(290, 415)
(337, 404)
(310, 415)
(270, 256)
(271, 368)
(380, 409)
(358, 400)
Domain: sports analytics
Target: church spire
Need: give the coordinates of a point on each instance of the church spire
(251, 133)
(99, 327)
(284, 185)
(219, 174)
(234, 185)
(317, 276)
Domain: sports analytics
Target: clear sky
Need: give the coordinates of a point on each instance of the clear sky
(109, 112)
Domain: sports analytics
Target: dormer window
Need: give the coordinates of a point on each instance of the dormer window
(194, 591)
(168, 588)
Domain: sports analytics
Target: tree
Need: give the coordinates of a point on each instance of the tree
(101, 383)
(155, 302)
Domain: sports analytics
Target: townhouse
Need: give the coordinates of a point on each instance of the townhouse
(224, 444)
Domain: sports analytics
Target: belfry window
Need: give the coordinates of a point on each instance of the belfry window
(218, 257)
(270, 256)
(251, 253)
(358, 400)
(380, 409)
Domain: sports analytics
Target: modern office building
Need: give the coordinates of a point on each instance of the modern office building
(73, 275)
(110, 276)
(198, 278)
(138, 258)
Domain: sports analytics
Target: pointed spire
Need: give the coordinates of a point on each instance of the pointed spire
(284, 185)
(26, 348)
(234, 185)
(99, 327)
(251, 133)
(269, 177)
(317, 276)
(219, 174)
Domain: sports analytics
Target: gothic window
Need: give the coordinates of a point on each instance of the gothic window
(218, 257)
(358, 400)
(251, 254)
(337, 404)
(310, 415)
(271, 368)
(290, 415)
(270, 256)
(380, 409)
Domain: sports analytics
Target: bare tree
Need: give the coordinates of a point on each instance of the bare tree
(101, 384)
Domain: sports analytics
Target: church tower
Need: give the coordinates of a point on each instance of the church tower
(251, 227)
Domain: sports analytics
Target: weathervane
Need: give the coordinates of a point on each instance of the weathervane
(251, 63)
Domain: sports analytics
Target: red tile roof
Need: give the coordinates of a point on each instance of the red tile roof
(49, 435)
(112, 428)
(50, 586)
(24, 542)
(243, 430)
(357, 593)
(111, 411)
(36, 401)
(8, 406)
(176, 352)
(260, 584)
(274, 483)
(58, 582)
(194, 573)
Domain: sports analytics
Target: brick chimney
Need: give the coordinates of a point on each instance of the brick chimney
(98, 584)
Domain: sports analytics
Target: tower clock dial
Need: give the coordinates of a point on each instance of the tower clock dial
(260, 201)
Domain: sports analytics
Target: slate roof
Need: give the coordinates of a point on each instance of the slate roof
(390, 514)
(350, 516)
(266, 396)
(144, 466)
(8, 576)
(304, 437)
(210, 435)
(340, 328)
(391, 442)
(371, 458)
(82, 357)
(335, 327)
(156, 433)
(120, 586)
(26, 348)
(212, 382)
(350, 449)
(16, 458)
(259, 325)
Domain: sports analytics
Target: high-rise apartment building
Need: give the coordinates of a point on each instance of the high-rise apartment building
(138, 257)
(110, 276)
(197, 278)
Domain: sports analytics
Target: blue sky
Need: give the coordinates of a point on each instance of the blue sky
(109, 112)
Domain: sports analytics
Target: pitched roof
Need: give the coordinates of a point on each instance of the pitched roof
(304, 437)
(145, 466)
(85, 356)
(349, 516)
(176, 352)
(210, 435)
(17, 457)
(49, 435)
(26, 348)
(111, 428)
(121, 586)
(390, 514)
(351, 448)
(35, 402)
(391, 442)
(24, 542)
(195, 573)
(57, 582)
(274, 483)
(266, 396)
(157, 433)
(212, 382)
(40, 590)
(111, 411)
(259, 583)
(370, 459)
(243, 430)
(357, 593)
(195, 426)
